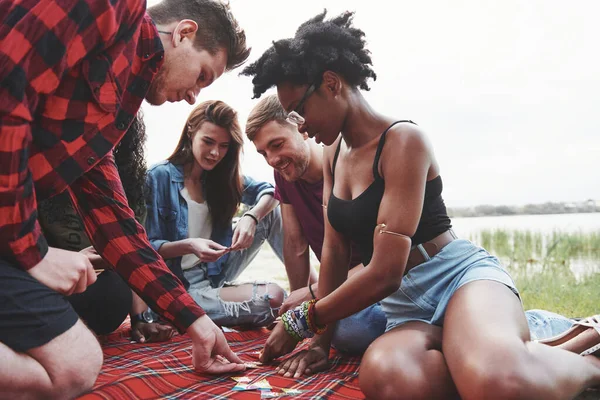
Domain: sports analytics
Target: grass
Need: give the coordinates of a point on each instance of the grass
(556, 271)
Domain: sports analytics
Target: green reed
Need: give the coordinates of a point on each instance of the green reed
(556, 271)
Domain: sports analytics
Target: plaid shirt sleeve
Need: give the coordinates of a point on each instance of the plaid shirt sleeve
(40, 40)
(117, 235)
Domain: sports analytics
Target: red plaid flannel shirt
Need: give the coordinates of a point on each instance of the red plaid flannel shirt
(73, 74)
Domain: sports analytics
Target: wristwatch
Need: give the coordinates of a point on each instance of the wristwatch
(145, 317)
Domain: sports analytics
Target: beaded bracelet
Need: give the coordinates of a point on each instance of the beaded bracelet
(290, 326)
(304, 306)
(311, 318)
(300, 323)
(296, 324)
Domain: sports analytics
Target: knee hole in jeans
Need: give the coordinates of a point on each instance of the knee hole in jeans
(274, 293)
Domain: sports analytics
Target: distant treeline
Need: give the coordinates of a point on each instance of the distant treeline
(545, 208)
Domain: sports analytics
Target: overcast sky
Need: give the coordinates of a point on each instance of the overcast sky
(508, 91)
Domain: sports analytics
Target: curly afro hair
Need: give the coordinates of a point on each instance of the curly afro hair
(131, 164)
(318, 46)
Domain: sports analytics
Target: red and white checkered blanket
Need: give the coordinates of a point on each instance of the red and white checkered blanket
(164, 371)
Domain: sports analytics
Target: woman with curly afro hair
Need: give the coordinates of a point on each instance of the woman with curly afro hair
(456, 326)
(106, 303)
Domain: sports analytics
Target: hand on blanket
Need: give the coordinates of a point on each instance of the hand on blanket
(315, 359)
(143, 332)
(278, 344)
(210, 352)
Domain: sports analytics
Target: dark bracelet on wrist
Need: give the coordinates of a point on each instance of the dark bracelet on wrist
(248, 214)
(144, 317)
(311, 291)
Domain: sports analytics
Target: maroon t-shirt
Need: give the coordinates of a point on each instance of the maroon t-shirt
(307, 200)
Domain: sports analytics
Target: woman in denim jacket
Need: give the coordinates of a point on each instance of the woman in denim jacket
(191, 200)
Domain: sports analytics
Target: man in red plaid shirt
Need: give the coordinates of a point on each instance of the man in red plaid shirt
(73, 74)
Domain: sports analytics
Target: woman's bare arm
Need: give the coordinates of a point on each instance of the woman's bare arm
(405, 163)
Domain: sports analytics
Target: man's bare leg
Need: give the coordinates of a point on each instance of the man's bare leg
(63, 368)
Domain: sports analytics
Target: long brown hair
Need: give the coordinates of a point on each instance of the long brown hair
(224, 182)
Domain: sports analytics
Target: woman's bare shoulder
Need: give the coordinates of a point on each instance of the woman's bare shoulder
(407, 137)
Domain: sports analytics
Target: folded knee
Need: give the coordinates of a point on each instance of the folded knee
(494, 380)
(275, 294)
(488, 385)
(397, 377)
(76, 371)
(81, 376)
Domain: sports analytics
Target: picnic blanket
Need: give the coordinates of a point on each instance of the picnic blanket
(164, 371)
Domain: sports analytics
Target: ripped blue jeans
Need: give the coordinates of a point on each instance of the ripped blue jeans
(256, 311)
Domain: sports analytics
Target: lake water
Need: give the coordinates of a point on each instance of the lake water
(467, 227)
(267, 266)
(586, 223)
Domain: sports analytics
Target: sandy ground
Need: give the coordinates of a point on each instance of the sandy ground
(267, 267)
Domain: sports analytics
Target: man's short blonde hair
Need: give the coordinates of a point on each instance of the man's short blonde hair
(268, 109)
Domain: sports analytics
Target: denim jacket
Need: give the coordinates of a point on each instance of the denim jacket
(167, 218)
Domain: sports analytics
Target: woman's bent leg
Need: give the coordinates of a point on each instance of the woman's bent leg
(268, 229)
(407, 363)
(489, 353)
(252, 304)
(255, 304)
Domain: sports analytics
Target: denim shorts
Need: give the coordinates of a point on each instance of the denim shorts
(427, 288)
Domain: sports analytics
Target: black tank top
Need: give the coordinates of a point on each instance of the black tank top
(357, 218)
